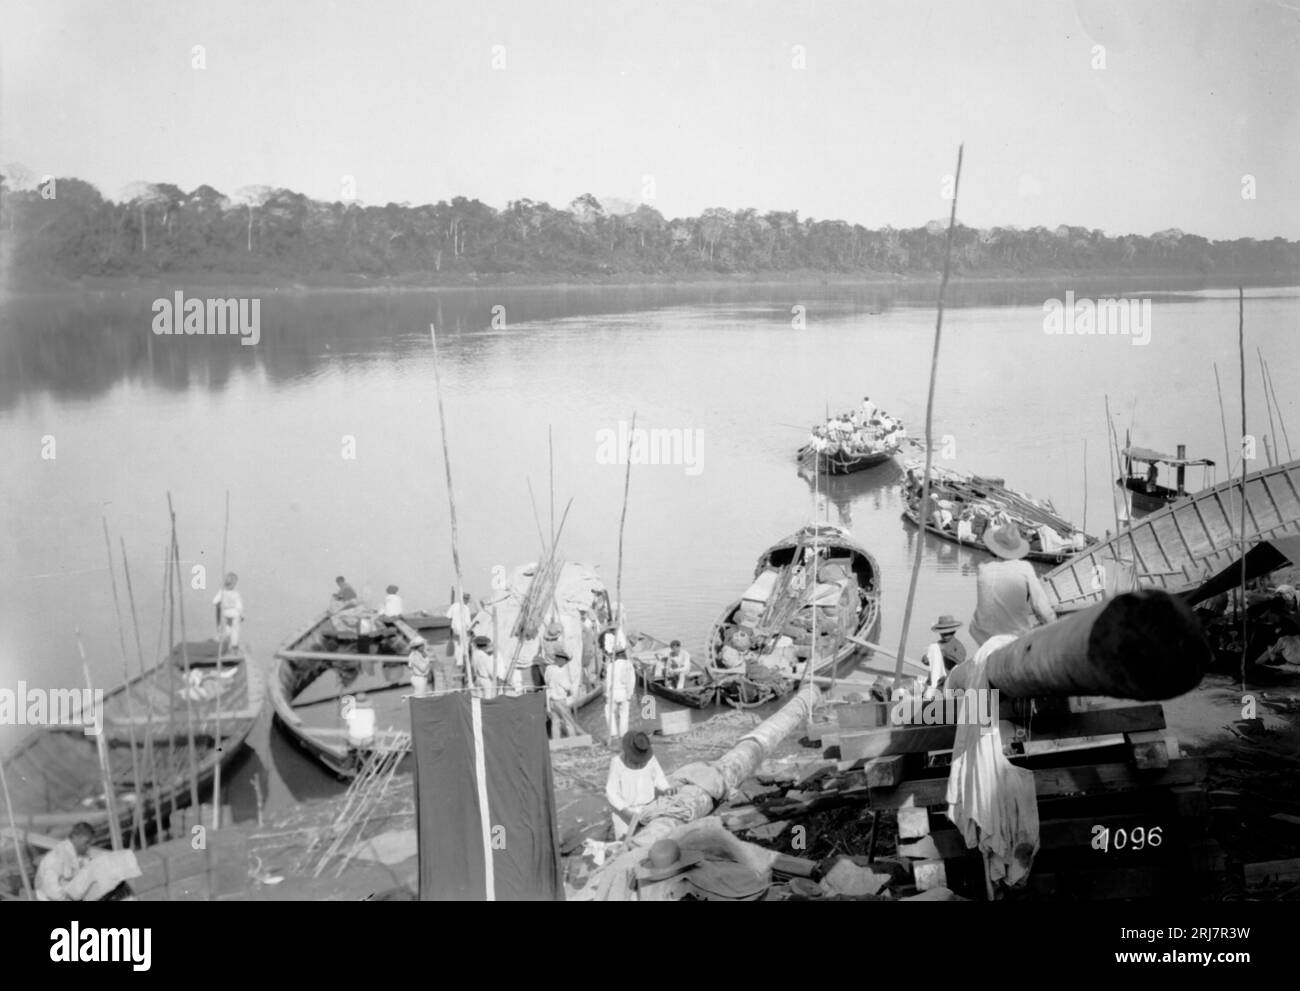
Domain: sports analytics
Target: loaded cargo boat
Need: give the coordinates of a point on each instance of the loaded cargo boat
(812, 608)
(54, 775)
(964, 506)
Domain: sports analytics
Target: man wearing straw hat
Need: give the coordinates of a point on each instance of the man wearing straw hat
(945, 653)
(1009, 597)
(483, 667)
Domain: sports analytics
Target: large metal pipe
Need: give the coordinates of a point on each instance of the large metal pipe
(1144, 645)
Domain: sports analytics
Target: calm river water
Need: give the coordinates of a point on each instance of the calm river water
(133, 416)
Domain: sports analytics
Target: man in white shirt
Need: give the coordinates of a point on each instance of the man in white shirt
(1009, 597)
(619, 688)
(560, 695)
(392, 604)
(635, 780)
(867, 409)
(461, 617)
(63, 863)
(230, 611)
(483, 666)
(677, 664)
(418, 663)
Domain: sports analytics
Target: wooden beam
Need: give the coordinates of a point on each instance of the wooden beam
(1052, 781)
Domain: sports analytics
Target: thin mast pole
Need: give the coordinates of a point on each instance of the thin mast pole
(137, 817)
(13, 831)
(217, 740)
(929, 426)
(1241, 360)
(451, 498)
(185, 660)
(101, 747)
(150, 757)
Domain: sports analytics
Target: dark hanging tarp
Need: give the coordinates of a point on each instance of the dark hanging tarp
(472, 755)
(1262, 559)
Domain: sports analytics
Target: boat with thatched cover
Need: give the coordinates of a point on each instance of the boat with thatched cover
(815, 597)
(969, 504)
(55, 777)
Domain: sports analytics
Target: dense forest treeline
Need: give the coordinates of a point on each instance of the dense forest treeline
(71, 230)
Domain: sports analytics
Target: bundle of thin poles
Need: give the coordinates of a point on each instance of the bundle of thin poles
(363, 796)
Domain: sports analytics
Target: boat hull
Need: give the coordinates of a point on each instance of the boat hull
(1041, 557)
(1183, 544)
(840, 464)
(54, 776)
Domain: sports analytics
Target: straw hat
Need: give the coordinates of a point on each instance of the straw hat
(945, 623)
(1006, 542)
(637, 750)
(666, 859)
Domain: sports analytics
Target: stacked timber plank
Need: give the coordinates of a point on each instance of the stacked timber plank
(1122, 813)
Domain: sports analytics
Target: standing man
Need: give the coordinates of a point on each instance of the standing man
(945, 653)
(483, 667)
(620, 686)
(1009, 597)
(230, 612)
(461, 617)
(417, 661)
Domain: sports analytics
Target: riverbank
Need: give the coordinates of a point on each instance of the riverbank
(332, 282)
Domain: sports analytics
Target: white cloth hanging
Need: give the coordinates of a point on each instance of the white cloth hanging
(990, 800)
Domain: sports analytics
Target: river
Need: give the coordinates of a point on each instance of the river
(326, 435)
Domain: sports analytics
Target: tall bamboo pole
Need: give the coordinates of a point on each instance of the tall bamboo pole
(185, 660)
(217, 741)
(13, 831)
(463, 657)
(169, 614)
(1281, 420)
(137, 816)
(1085, 485)
(150, 757)
(1268, 406)
(1223, 419)
(929, 428)
(622, 521)
(1241, 361)
(550, 447)
(101, 747)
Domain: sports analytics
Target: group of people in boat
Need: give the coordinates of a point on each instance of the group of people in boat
(965, 518)
(859, 432)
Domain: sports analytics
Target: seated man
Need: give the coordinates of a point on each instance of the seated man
(635, 780)
(65, 873)
(677, 665)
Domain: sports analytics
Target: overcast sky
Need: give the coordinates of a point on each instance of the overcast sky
(705, 96)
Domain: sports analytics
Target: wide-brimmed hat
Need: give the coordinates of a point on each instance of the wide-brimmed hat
(717, 880)
(944, 623)
(666, 859)
(560, 654)
(1006, 542)
(637, 750)
(482, 641)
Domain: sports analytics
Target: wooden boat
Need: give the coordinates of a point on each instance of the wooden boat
(1143, 491)
(324, 663)
(54, 775)
(327, 662)
(778, 608)
(840, 463)
(706, 686)
(989, 497)
(1185, 543)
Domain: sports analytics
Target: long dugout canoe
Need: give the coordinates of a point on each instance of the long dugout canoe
(1185, 543)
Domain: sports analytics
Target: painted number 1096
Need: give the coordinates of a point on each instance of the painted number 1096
(1137, 838)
